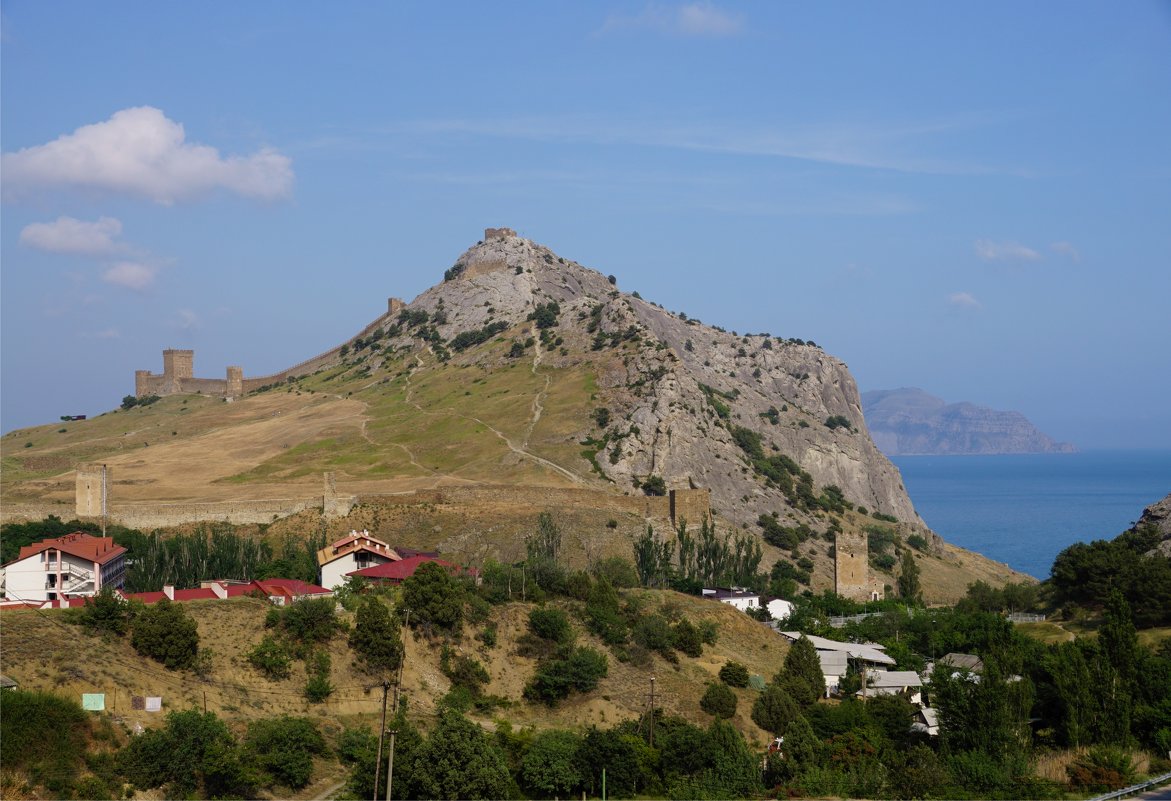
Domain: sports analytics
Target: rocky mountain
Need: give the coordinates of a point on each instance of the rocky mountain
(521, 382)
(1158, 517)
(910, 421)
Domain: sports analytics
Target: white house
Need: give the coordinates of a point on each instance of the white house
(780, 609)
(834, 666)
(927, 721)
(355, 552)
(894, 682)
(744, 600)
(76, 564)
(869, 653)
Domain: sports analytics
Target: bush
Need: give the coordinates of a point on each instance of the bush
(618, 570)
(434, 597)
(318, 686)
(654, 486)
(1103, 769)
(580, 669)
(44, 736)
(718, 700)
(375, 637)
(686, 638)
(271, 658)
(550, 624)
(105, 612)
(166, 633)
(734, 675)
(283, 749)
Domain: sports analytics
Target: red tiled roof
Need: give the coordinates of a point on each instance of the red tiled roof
(79, 544)
(198, 594)
(294, 587)
(146, 597)
(405, 568)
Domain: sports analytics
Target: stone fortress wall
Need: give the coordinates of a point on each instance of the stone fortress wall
(852, 568)
(178, 376)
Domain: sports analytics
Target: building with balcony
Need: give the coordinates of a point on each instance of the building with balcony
(75, 565)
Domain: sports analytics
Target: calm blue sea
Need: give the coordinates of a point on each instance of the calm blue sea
(1024, 509)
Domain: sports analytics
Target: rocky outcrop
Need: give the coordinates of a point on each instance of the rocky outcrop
(912, 422)
(1158, 517)
(675, 390)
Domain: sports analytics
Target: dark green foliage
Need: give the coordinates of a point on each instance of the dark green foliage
(654, 633)
(774, 710)
(549, 768)
(710, 561)
(516, 351)
(1101, 770)
(192, 752)
(166, 633)
(734, 674)
(918, 542)
(450, 274)
(909, 587)
(550, 624)
(802, 663)
(318, 687)
(989, 715)
(577, 669)
(305, 623)
(129, 402)
(686, 638)
(359, 747)
(375, 637)
(604, 613)
(652, 559)
(107, 613)
(1085, 574)
(718, 700)
(546, 314)
(602, 416)
(616, 752)
(617, 570)
(459, 760)
(434, 597)
(654, 485)
(43, 735)
(271, 657)
(283, 748)
(838, 421)
(466, 339)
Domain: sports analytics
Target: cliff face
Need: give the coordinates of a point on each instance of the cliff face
(912, 422)
(1158, 516)
(675, 390)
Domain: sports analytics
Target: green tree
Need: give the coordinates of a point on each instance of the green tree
(283, 749)
(375, 637)
(106, 612)
(604, 613)
(718, 700)
(43, 735)
(909, 587)
(802, 663)
(774, 710)
(734, 674)
(458, 761)
(192, 752)
(549, 767)
(652, 559)
(686, 638)
(166, 633)
(434, 597)
(550, 624)
(654, 485)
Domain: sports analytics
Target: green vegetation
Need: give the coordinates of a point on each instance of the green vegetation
(466, 339)
(166, 633)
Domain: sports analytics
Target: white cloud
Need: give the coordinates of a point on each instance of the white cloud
(1005, 251)
(691, 19)
(69, 235)
(130, 274)
(139, 151)
(964, 300)
(187, 320)
(1066, 249)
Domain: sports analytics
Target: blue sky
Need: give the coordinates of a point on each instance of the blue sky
(969, 197)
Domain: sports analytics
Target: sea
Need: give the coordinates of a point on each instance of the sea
(1024, 509)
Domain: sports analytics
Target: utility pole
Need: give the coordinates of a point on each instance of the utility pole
(390, 759)
(381, 733)
(651, 727)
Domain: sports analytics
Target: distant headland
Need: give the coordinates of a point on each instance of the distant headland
(910, 422)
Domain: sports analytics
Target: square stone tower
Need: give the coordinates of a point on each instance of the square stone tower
(178, 363)
(852, 566)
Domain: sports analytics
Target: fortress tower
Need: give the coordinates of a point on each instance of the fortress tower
(90, 494)
(692, 505)
(852, 568)
(178, 363)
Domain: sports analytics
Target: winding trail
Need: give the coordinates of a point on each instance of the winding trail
(519, 450)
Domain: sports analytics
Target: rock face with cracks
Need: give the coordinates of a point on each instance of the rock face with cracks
(675, 389)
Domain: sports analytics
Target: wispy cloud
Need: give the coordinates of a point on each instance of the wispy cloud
(963, 300)
(187, 320)
(698, 19)
(1066, 249)
(1005, 251)
(131, 274)
(870, 145)
(140, 152)
(73, 236)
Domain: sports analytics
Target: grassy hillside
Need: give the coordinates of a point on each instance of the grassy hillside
(32, 653)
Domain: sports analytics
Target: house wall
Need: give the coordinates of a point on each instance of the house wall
(333, 574)
(743, 604)
(28, 579)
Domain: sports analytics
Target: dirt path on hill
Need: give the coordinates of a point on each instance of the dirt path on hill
(537, 407)
(519, 450)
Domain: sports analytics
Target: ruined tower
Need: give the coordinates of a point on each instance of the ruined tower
(91, 490)
(852, 568)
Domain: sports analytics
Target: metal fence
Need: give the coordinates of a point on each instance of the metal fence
(1134, 789)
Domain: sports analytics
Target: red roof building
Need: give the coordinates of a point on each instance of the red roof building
(400, 571)
(77, 564)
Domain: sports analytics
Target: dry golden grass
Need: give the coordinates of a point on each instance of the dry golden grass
(1052, 765)
(42, 651)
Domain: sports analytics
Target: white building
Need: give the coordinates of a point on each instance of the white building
(76, 564)
(357, 551)
(780, 609)
(894, 682)
(744, 600)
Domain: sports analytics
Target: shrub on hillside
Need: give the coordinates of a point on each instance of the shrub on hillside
(734, 675)
(375, 637)
(718, 700)
(43, 735)
(166, 633)
(283, 749)
(434, 597)
(550, 624)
